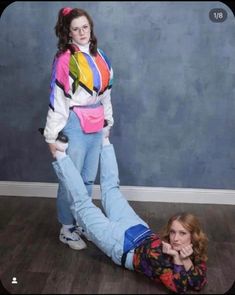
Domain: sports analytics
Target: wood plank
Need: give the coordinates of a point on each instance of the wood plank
(31, 251)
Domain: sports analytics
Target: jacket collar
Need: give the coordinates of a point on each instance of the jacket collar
(82, 48)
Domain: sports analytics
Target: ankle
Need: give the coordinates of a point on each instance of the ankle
(67, 226)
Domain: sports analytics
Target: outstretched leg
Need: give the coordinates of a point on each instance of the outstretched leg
(106, 234)
(115, 205)
(86, 213)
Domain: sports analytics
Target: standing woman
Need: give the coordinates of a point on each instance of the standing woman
(80, 106)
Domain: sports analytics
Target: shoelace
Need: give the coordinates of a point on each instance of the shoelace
(74, 235)
(72, 229)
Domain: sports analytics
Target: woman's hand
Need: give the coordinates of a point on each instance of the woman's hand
(186, 251)
(167, 249)
(53, 148)
(106, 131)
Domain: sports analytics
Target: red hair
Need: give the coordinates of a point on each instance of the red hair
(192, 224)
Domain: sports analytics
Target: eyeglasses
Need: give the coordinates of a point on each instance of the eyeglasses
(83, 29)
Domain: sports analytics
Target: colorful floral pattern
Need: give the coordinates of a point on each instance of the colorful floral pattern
(152, 262)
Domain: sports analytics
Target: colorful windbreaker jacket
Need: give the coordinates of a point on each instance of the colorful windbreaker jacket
(77, 80)
(152, 262)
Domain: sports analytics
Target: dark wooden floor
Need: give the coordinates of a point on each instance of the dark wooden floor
(31, 251)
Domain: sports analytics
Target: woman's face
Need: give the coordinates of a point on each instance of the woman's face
(179, 236)
(80, 30)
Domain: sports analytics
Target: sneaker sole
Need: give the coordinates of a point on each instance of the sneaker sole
(70, 245)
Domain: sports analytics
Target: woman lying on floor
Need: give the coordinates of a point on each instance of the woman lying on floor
(177, 257)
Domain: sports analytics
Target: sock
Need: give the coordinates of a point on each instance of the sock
(66, 227)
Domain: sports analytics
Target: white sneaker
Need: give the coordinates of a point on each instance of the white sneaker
(81, 232)
(72, 238)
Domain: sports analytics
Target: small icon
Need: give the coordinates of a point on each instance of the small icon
(218, 15)
(14, 280)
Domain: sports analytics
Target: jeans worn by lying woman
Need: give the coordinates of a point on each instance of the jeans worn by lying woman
(121, 234)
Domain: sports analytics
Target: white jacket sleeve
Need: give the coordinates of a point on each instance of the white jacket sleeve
(106, 101)
(57, 118)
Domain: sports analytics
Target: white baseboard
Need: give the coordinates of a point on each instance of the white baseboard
(132, 193)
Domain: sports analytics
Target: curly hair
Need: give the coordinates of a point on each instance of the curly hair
(198, 237)
(62, 29)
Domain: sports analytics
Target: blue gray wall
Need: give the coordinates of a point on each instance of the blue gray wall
(173, 95)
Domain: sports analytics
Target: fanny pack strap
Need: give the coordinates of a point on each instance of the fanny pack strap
(88, 106)
(123, 260)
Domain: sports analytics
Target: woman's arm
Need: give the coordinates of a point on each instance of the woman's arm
(184, 256)
(106, 101)
(58, 111)
(174, 278)
(158, 261)
(185, 273)
(196, 275)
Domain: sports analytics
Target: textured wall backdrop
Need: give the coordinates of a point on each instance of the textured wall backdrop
(173, 94)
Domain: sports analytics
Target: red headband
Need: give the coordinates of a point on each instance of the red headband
(66, 10)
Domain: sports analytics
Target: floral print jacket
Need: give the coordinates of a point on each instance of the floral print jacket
(152, 262)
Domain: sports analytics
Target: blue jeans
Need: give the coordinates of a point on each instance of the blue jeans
(84, 150)
(107, 230)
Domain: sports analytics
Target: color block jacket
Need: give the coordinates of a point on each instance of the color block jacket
(79, 79)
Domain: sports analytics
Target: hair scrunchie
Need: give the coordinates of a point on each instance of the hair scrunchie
(66, 10)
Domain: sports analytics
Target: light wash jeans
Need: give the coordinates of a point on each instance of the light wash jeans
(84, 150)
(107, 232)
